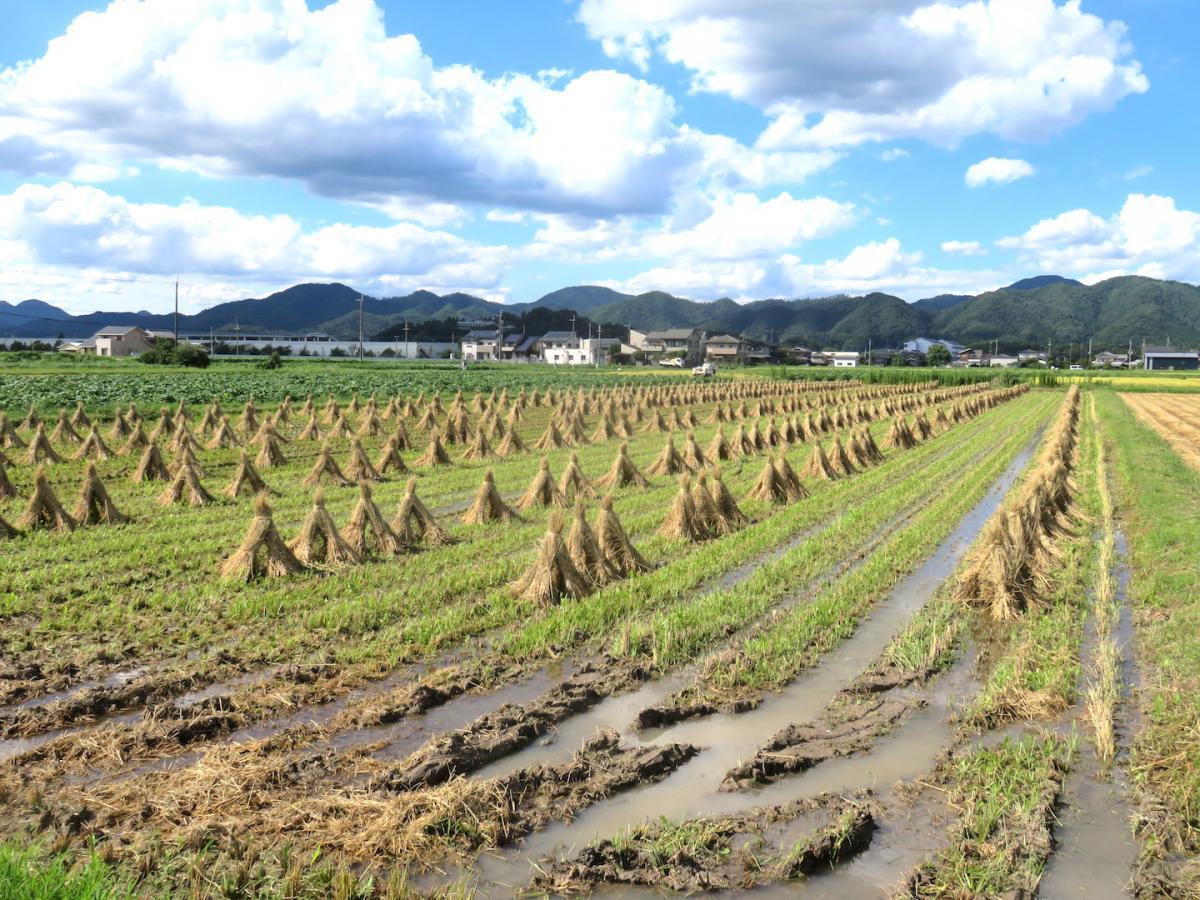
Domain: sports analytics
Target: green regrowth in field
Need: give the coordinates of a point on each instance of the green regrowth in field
(774, 658)
(1159, 501)
(1005, 796)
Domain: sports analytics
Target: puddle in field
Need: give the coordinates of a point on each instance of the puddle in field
(17, 746)
(1095, 850)
(407, 735)
(618, 711)
(116, 679)
(692, 790)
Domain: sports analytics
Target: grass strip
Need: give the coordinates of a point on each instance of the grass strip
(1159, 497)
(999, 846)
(774, 658)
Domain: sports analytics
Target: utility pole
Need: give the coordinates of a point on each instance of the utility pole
(572, 325)
(499, 335)
(237, 337)
(360, 326)
(406, 337)
(176, 310)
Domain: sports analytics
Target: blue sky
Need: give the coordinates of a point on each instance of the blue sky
(705, 147)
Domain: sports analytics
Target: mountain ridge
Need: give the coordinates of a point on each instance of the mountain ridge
(1027, 313)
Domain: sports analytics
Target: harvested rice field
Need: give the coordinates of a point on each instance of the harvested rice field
(631, 634)
(1176, 417)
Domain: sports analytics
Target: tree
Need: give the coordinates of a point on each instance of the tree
(938, 356)
(167, 353)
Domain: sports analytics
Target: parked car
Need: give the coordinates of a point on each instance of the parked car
(673, 363)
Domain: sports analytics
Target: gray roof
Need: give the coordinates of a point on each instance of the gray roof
(526, 344)
(724, 339)
(558, 337)
(671, 334)
(1169, 351)
(115, 330)
(480, 335)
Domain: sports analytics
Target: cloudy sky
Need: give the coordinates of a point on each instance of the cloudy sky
(710, 148)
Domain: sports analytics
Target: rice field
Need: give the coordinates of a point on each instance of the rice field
(392, 639)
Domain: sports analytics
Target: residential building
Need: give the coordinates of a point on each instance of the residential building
(118, 340)
(971, 357)
(1033, 356)
(844, 359)
(1166, 358)
(758, 352)
(724, 349)
(1107, 360)
(922, 344)
(675, 342)
(584, 352)
(1003, 361)
(801, 356)
(479, 344)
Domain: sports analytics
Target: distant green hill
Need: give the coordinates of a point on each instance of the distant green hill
(1111, 313)
(1027, 313)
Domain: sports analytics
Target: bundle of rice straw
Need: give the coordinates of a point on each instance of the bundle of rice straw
(319, 541)
(622, 472)
(367, 532)
(489, 506)
(93, 447)
(359, 468)
(326, 467)
(414, 523)
(668, 461)
(573, 482)
(552, 575)
(584, 550)
(435, 454)
(40, 449)
(185, 487)
(263, 552)
(818, 465)
(44, 509)
(731, 516)
(681, 522)
(94, 506)
(542, 491)
(151, 466)
(245, 477)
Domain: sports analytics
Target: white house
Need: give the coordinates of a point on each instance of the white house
(585, 352)
(844, 359)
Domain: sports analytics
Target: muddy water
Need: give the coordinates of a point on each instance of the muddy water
(618, 711)
(693, 789)
(17, 746)
(407, 735)
(1095, 849)
(116, 679)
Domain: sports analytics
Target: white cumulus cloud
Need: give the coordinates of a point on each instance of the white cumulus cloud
(1149, 236)
(86, 228)
(963, 248)
(997, 170)
(324, 96)
(834, 74)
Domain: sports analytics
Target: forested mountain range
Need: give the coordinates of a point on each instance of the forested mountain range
(1030, 312)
